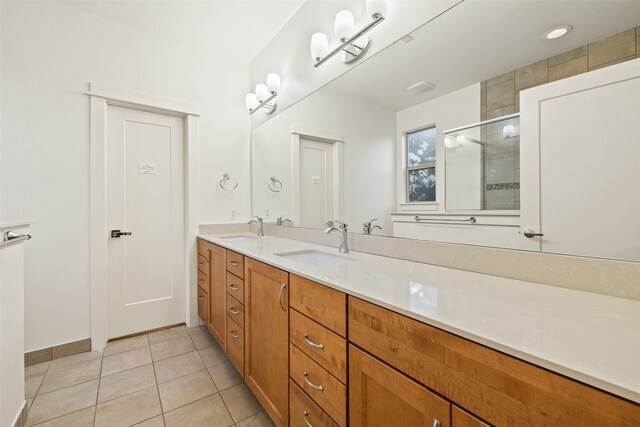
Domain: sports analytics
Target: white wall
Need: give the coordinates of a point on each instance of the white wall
(369, 151)
(288, 53)
(449, 111)
(50, 52)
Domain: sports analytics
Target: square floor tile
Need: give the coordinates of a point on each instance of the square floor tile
(207, 412)
(82, 418)
(178, 366)
(212, 356)
(33, 376)
(225, 376)
(61, 402)
(167, 349)
(130, 409)
(126, 344)
(153, 422)
(240, 402)
(203, 340)
(76, 359)
(126, 360)
(187, 389)
(126, 382)
(195, 330)
(70, 375)
(168, 334)
(258, 420)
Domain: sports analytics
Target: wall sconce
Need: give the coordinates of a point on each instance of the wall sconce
(351, 47)
(264, 93)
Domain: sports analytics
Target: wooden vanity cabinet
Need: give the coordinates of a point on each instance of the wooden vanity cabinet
(266, 329)
(497, 388)
(382, 396)
(217, 294)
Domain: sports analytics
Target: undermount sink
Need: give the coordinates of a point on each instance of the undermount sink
(237, 238)
(316, 258)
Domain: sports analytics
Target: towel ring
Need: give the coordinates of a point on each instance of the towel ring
(226, 177)
(273, 183)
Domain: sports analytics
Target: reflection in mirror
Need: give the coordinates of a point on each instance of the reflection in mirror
(371, 144)
(482, 165)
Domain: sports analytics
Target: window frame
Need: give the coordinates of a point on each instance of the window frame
(408, 169)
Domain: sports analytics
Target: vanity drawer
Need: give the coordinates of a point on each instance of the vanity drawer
(461, 418)
(319, 384)
(235, 287)
(498, 388)
(203, 264)
(235, 263)
(320, 303)
(235, 345)
(235, 310)
(326, 348)
(203, 281)
(203, 248)
(304, 412)
(203, 305)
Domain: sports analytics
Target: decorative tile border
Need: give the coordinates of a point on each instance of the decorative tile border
(504, 186)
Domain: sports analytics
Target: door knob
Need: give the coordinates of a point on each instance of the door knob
(115, 234)
(531, 233)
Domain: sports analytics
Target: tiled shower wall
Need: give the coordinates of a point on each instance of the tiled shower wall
(500, 96)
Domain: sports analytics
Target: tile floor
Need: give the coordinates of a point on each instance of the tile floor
(174, 377)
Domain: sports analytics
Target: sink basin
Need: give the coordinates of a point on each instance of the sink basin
(237, 238)
(316, 258)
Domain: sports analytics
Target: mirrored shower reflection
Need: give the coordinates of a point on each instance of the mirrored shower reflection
(482, 165)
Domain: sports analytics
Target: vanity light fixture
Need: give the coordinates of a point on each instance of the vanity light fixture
(263, 94)
(556, 32)
(352, 46)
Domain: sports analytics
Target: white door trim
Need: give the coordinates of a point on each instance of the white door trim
(100, 98)
(336, 140)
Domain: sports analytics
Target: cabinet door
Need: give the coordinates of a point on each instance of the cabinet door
(267, 337)
(217, 294)
(381, 396)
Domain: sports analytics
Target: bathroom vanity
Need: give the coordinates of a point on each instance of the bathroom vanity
(325, 339)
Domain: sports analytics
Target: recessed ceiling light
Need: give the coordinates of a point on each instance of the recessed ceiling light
(422, 86)
(556, 32)
(407, 38)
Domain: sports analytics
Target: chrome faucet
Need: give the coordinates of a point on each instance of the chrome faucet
(258, 221)
(281, 220)
(342, 229)
(367, 228)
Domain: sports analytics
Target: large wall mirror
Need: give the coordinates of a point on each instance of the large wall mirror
(471, 130)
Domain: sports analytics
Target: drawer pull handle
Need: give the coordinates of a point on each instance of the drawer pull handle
(233, 311)
(282, 288)
(306, 420)
(201, 263)
(201, 297)
(200, 280)
(234, 263)
(312, 344)
(234, 334)
(234, 288)
(436, 423)
(317, 387)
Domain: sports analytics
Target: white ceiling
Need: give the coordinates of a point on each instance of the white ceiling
(477, 40)
(233, 29)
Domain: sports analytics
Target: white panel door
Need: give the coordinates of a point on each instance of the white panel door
(585, 133)
(146, 198)
(316, 183)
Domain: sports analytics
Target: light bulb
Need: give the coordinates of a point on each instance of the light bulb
(344, 25)
(319, 46)
(507, 131)
(449, 142)
(461, 140)
(273, 82)
(376, 8)
(251, 101)
(262, 92)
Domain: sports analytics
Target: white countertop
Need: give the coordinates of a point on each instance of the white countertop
(588, 337)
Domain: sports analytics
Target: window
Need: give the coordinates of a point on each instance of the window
(421, 165)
